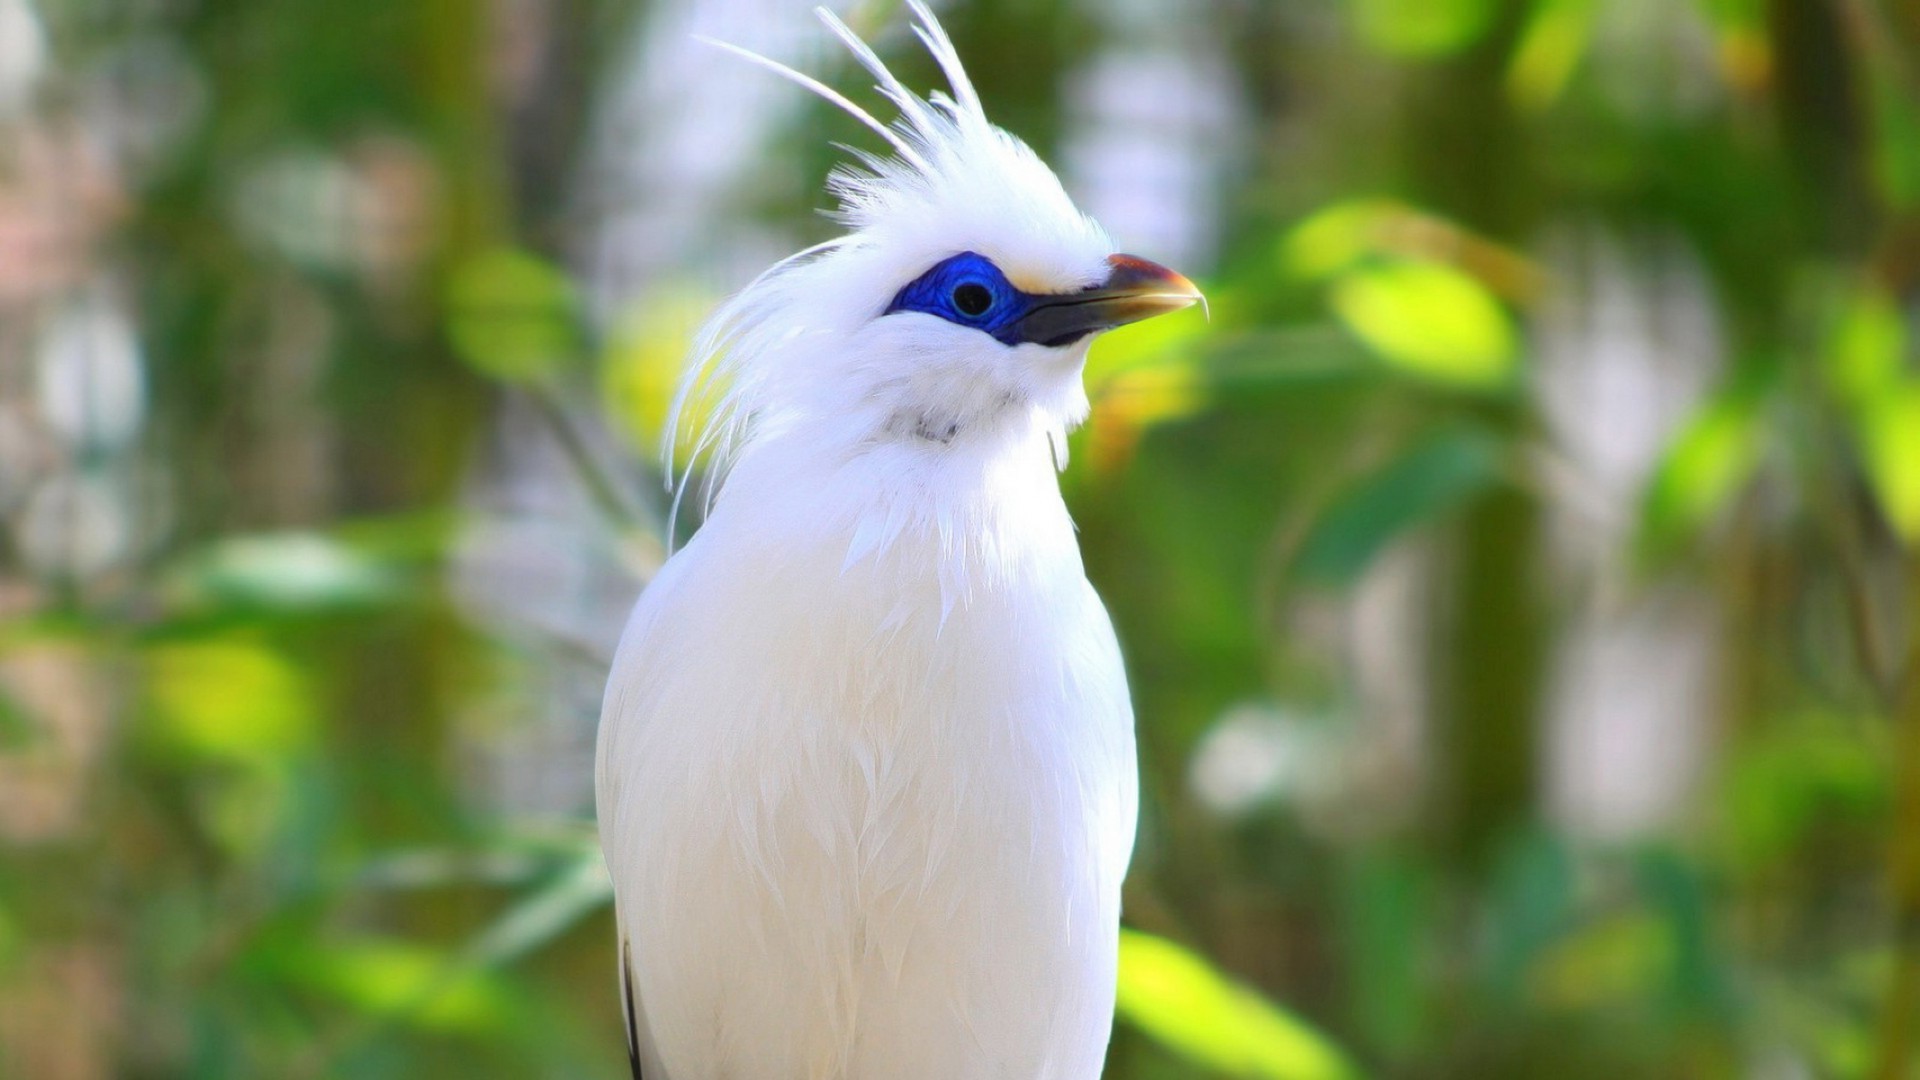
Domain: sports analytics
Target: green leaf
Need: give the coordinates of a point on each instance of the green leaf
(1889, 432)
(1422, 28)
(1783, 785)
(1550, 47)
(1866, 368)
(1337, 237)
(1388, 900)
(1707, 466)
(400, 981)
(539, 918)
(1179, 999)
(1428, 480)
(1864, 355)
(1530, 905)
(1431, 320)
(1896, 134)
(294, 571)
(229, 700)
(512, 315)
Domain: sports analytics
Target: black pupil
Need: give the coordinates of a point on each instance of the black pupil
(972, 298)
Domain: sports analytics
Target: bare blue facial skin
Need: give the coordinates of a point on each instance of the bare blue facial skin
(968, 290)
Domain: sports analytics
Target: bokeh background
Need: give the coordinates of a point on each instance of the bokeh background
(1519, 574)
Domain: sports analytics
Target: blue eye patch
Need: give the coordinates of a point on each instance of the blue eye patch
(968, 290)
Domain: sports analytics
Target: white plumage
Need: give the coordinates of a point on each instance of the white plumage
(866, 780)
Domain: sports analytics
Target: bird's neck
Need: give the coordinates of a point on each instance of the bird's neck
(959, 491)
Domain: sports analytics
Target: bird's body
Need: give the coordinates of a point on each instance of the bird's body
(867, 784)
(895, 797)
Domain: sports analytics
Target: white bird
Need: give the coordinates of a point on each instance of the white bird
(866, 779)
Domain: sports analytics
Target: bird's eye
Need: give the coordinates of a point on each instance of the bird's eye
(972, 299)
(966, 290)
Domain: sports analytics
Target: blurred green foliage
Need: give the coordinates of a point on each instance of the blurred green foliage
(1518, 573)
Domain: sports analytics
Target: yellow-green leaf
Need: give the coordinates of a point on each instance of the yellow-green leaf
(1180, 1000)
(228, 700)
(645, 357)
(1864, 355)
(1336, 237)
(512, 315)
(1550, 48)
(1706, 467)
(1422, 28)
(402, 981)
(1890, 442)
(1429, 319)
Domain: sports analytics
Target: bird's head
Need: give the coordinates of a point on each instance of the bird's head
(958, 305)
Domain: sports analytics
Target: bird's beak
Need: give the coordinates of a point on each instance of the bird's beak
(1135, 289)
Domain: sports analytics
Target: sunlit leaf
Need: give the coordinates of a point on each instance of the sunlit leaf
(1422, 28)
(1550, 47)
(399, 981)
(1424, 482)
(1706, 467)
(512, 315)
(229, 699)
(1172, 341)
(1866, 367)
(241, 715)
(1864, 356)
(1179, 999)
(1740, 31)
(641, 367)
(1336, 237)
(1431, 320)
(1890, 442)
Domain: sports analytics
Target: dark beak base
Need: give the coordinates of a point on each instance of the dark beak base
(1135, 289)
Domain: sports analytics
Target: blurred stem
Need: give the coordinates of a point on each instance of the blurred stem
(1469, 163)
(625, 515)
(1845, 528)
(1903, 993)
(454, 51)
(1493, 676)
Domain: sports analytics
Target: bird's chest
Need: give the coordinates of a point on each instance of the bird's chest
(897, 733)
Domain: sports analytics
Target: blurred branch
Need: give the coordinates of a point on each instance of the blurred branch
(1895, 1054)
(1843, 524)
(628, 516)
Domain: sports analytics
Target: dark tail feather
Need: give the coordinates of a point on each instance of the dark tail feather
(633, 1020)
